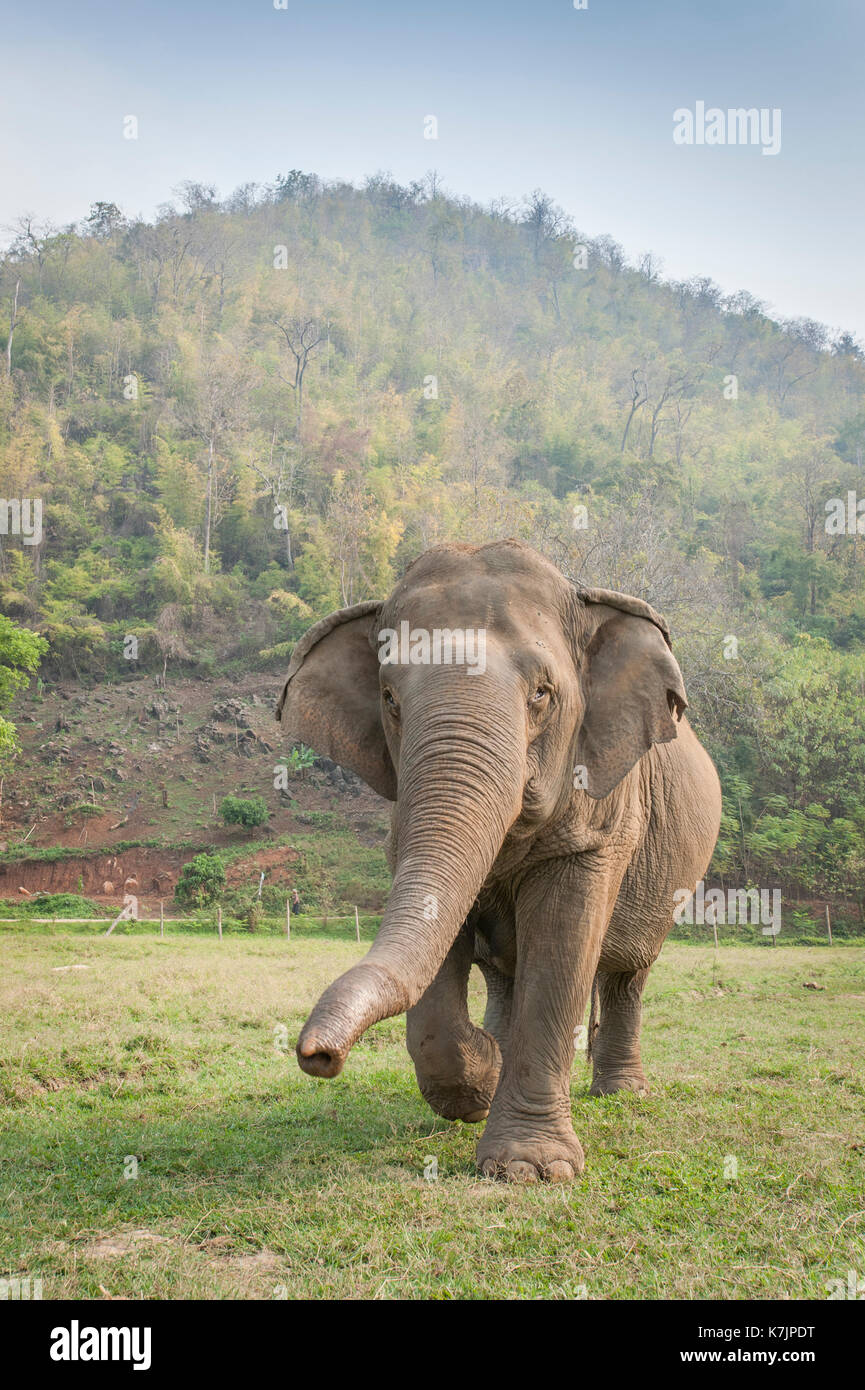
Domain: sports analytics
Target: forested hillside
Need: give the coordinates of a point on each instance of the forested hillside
(253, 411)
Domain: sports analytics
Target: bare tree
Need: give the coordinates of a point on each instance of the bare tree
(544, 219)
(215, 408)
(639, 397)
(282, 479)
(302, 337)
(798, 354)
(168, 631)
(14, 320)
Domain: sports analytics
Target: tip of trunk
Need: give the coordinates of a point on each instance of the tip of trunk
(319, 1061)
(359, 998)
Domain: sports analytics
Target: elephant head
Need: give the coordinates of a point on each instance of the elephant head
(479, 754)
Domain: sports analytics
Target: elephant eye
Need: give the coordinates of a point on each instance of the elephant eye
(540, 695)
(390, 701)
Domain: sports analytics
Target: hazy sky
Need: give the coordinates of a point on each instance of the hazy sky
(526, 95)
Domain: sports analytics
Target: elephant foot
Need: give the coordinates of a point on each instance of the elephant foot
(606, 1083)
(470, 1104)
(533, 1158)
(459, 1083)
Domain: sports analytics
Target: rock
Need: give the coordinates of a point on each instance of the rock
(232, 712)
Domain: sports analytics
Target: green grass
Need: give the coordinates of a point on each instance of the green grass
(52, 854)
(53, 905)
(257, 1181)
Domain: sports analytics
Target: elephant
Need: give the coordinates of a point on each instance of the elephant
(549, 801)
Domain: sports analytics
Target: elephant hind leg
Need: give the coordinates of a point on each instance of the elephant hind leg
(457, 1064)
(614, 1033)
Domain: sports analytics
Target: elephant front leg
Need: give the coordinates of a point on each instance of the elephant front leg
(560, 927)
(615, 1047)
(457, 1065)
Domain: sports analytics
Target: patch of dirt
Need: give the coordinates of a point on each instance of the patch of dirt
(224, 1255)
(154, 871)
(275, 863)
(115, 1247)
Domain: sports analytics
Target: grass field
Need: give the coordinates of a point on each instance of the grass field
(255, 1181)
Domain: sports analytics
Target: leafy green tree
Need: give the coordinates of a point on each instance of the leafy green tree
(245, 811)
(201, 881)
(20, 653)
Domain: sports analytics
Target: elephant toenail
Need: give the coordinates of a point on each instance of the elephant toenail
(559, 1171)
(518, 1171)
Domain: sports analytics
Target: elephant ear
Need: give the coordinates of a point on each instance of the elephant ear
(331, 698)
(633, 688)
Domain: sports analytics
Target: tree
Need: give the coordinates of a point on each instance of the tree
(246, 811)
(282, 477)
(544, 219)
(201, 881)
(20, 653)
(302, 337)
(169, 636)
(104, 219)
(14, 320)
(196, 197)
(216, 406)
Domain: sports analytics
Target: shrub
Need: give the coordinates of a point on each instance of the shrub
(55, 905)
(201, 881)
(299, 760)
(254, 915)
(246, 811)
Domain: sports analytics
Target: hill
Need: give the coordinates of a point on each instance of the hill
(255, 410)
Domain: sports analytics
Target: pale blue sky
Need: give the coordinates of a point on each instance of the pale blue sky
(579, 103)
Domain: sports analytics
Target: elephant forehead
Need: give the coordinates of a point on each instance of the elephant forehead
(476, 602)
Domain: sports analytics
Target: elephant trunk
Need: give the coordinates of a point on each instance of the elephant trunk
(460, 790)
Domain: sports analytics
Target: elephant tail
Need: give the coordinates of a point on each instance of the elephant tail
(594, 1017)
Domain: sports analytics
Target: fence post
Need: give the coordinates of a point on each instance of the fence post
(356, 924)
(161, 917)
(288, 919)
(219, 921)
(828, 924)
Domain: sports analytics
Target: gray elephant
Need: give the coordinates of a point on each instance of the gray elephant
(550, 798)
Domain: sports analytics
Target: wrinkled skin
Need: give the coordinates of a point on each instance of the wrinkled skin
(498, 858)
